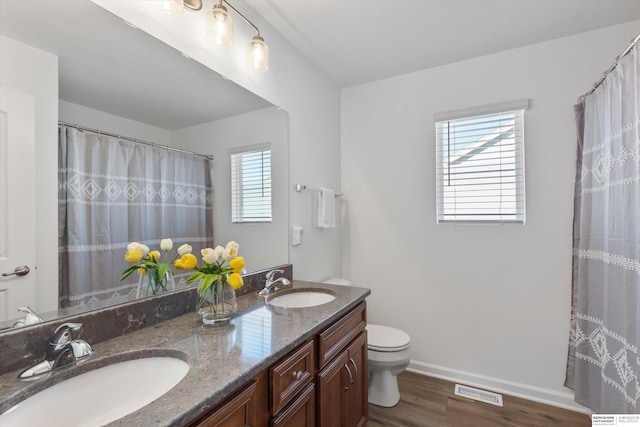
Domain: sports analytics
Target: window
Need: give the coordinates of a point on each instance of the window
(480, 164)
(251, 185)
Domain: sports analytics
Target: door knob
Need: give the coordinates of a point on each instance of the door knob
(21, 270)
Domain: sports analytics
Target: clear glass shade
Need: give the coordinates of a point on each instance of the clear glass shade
(258, 55)
(219, 27)
(172, 7)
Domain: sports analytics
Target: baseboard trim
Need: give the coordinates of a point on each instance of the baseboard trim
(523, 391)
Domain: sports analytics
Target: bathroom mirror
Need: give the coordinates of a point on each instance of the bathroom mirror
(153, 91)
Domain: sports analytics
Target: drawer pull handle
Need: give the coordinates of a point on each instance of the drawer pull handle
(355, 367)
(297, 375)
(347, 387)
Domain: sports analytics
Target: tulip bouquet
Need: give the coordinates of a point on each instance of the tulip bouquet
(148, 263)
(220, 266)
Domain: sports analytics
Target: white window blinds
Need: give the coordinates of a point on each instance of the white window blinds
(251, 185)
(480, 167)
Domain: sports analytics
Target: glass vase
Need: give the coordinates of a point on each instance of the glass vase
(151, 284)
(217, 303)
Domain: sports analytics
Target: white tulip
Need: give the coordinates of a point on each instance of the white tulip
(226, 255)
(185, 249)
(209, 255)
(232, 247)
(232, 244)
(133, 246)
(219, 250)
(166, 244)
(144, 249)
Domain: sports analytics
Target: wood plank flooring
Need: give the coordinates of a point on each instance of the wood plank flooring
(430, 402)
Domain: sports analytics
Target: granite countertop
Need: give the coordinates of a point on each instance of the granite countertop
(221, 357)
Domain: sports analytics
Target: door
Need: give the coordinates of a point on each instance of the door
(17, 201)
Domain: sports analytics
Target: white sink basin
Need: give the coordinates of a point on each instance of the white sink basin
(101, 396)
(300, 298)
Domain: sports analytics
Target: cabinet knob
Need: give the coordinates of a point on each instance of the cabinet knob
(297, 375)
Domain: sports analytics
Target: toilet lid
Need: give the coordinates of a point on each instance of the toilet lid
(386, 338)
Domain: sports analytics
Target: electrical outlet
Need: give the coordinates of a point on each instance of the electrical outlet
(296, 235)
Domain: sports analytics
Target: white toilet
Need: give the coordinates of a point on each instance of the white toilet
(388, 356)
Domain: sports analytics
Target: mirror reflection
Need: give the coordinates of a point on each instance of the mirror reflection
(118, 80)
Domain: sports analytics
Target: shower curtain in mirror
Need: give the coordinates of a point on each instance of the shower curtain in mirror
(112, 192)
(604, 363)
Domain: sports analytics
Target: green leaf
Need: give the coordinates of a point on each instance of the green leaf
(128, 272)
(195, 277)
(162, 270)
(208, 281)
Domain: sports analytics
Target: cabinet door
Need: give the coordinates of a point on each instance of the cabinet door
(342, 387)
(331, 382)
(355, 395)
(247, 409)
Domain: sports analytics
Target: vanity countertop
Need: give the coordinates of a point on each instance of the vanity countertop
(221, 357)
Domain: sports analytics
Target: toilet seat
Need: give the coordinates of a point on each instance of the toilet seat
(386, 339)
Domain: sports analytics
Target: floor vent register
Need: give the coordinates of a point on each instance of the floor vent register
(479, 395)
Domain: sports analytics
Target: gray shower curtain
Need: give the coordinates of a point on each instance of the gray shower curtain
(112, 192)
(604, 363)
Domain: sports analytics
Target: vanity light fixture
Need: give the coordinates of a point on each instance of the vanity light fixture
(219, 32)
(219, 27)
(171, 7)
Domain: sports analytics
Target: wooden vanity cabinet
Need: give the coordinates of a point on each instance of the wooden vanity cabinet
(342, 382)
(322, 383)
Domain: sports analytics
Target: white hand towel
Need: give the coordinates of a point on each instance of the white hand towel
(326, 208)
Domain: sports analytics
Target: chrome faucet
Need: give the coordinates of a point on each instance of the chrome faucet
(30, 317)
(62, 350)
(271, 284)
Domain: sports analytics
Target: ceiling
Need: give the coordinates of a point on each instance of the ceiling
(358, 41)
(110, 66)
(107, 65)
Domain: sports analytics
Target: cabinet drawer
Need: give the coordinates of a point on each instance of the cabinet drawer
(291, 375)
(302, 412)
(337, 336)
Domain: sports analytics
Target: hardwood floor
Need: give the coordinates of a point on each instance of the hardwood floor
(430, 402)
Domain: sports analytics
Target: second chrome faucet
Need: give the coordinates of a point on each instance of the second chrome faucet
(62, 350)
(271, 283)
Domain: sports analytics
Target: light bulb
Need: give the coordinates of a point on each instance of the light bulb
(171, 7)
(257, 55)
(219, 27)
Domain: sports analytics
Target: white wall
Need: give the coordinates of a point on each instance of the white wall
(266, 243)
(35, 73)
(292, 83)
(95, 119)
(486, 304)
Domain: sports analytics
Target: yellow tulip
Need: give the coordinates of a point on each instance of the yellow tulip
(237, 264)
(235, 280)
(142, 271)
(186, 262)
(154, 255)
(133, 256)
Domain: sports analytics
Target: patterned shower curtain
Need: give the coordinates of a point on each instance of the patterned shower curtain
(112, 192)
(604, 363)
